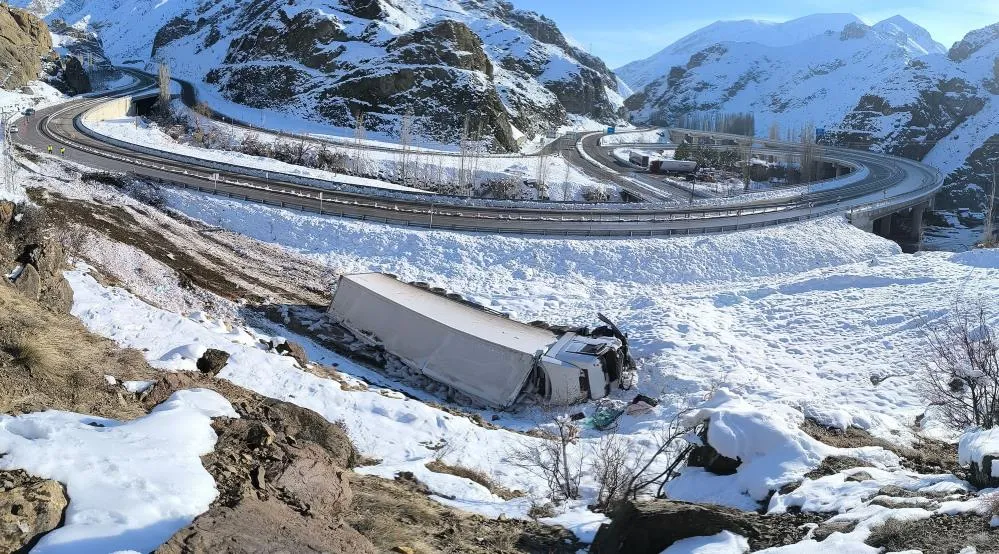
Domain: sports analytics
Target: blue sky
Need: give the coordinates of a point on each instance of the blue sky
(620, 31)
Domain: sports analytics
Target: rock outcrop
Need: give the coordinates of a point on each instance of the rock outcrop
(29, 508)
(651, 527)
(282, 469)
(26, 40)
(41, 276)
(75, 76)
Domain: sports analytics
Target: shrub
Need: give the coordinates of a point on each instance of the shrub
(595, 194)
(962, 375)
(538, 511)
(556, 459)
(147, 193)
(890, 536)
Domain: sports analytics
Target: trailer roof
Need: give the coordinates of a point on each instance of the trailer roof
(466, 319)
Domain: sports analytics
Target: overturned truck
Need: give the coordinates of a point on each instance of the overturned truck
(479, 351)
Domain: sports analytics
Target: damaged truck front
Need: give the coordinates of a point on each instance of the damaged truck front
(478, 351)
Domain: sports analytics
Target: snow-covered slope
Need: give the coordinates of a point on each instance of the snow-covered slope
(911, 35)
(639, 73)
(889, 87)
(324, 60)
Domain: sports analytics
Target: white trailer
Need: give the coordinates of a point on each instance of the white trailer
(474, 350)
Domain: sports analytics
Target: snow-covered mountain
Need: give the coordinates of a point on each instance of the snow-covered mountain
(640, 73)
(889, 86)
(325, 60)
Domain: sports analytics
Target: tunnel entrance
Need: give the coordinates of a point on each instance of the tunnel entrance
(143, 106)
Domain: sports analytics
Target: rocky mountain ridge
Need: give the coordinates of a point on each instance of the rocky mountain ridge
(500, 72)
(888, 87)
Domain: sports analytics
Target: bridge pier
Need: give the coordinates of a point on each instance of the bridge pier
(883, 226)
(916, 227)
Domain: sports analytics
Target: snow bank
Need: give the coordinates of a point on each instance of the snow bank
(131, 484)
(743, 255)
(975, 446)
(773, 449)
(651, 136)
(722, 543)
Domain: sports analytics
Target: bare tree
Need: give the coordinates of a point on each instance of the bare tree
(775, 130)
(201, 111)
(746, 155)
(988, 233)
(405, 141)
(542, 175)
(809, 154)
(624, 469)
(163, 100)
(556, 459)
(359, 161)
(962, 375)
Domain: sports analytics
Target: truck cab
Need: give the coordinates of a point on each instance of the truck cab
(578, 367)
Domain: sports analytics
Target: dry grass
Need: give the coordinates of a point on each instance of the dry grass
(890, 535)
(928, 456)
(476, 476)
(44, 360)
(394, 513)
(51, 361)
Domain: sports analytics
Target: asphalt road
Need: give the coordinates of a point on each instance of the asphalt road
(58, 126)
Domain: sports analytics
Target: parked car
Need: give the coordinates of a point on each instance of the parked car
(29, 111)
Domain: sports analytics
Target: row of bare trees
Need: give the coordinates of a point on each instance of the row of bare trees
(414, 167)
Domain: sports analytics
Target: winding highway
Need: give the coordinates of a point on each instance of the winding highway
(879, 185)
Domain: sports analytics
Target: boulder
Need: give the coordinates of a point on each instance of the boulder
(707, 457)
(29, 283)
(212, 361)
(294, 350)
(58, 296)
(651, 527)
(29, 508)
(48, 258)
